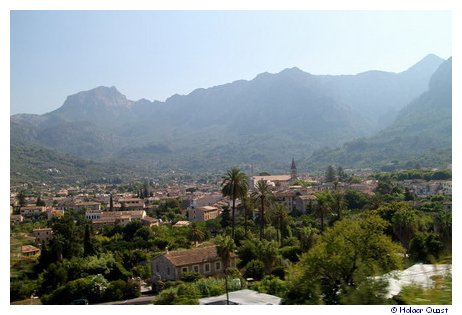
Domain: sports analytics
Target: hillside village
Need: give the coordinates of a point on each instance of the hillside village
(174, 228)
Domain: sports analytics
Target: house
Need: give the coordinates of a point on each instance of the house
(131, 203)
(305, 203)
(148, 221)
(42, 235)
(203, 214)
(203, 200)
(54, 213)
(272, 180)
(171, 265)
(95, 206)
(16, 218)
(242, 297)
(32, 210)
(29, 250)
(286, 198)
(101, 218)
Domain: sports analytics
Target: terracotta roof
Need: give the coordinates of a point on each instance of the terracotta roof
(107, 214)
(285, 194)
(88, 203)
(181, 223)
(150, 219)
(192, 256)
(29, 249)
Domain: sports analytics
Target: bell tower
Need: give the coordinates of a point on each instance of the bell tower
(293, 170)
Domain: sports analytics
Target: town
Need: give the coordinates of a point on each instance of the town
(236, 238)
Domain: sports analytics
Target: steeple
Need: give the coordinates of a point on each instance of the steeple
(293, 170)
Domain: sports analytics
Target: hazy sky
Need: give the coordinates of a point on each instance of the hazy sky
(155, 54)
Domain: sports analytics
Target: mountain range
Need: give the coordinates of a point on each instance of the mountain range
(263, 122)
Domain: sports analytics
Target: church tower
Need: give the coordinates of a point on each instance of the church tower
(293, 170)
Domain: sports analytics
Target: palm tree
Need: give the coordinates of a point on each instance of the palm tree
(308, 236)
(235, 186)
(246, 205)
(338, 203)
(262, 195)
(323, 208)
(279, 216)
(267, 252)
(225, 247)
(196, 234)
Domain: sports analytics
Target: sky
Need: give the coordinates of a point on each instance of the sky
(155, 54)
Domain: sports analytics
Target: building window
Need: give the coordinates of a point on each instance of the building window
(217, 265)
(196, 268)
(168, 270)
(184, 269)
(207, 267)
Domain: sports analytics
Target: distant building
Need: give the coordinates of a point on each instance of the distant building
(198, 201)
(293, 170)
(29, 250)
(171, 265)
(28, 210)
(42, 235)
(180, 224)
(95, 206)
(54, 213)
(131, 203)
(16, 218)
(148, 221)
(286, 198)
(101, 218)
(306, 203)
(272, 180)
(203, 214)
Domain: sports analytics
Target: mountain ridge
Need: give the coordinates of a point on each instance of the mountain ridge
(238, 122)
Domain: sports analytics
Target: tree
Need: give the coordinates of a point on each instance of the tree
(308, 237)
(262, 195)
(225, 248)
(324, 206)
(278, 216)
(406, 223)
(346, 255)
(330, 174)
(342, 176)
(355, 199)
(67, 238)
(196, 234)
(254, 269)
(338, 203)
(111, 203)
(225, 217)
(89, 248)
(443, 226)
(247, 208)
(235, 186)
(40, 202)
(267, 252)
